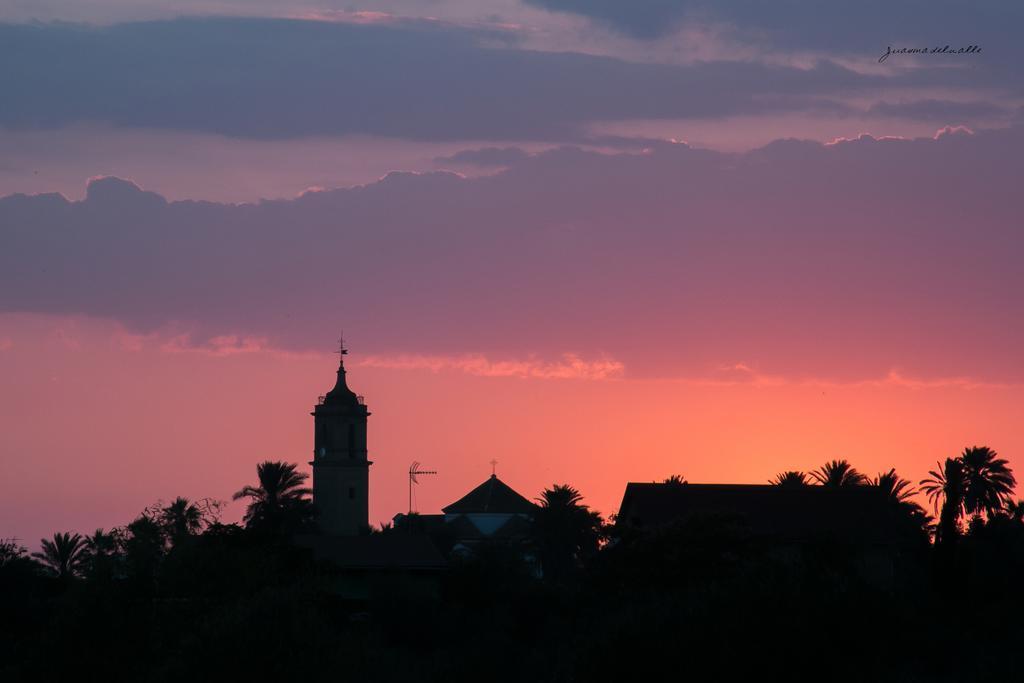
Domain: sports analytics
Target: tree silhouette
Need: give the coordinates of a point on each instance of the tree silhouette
(790, 478)
(18, 572)
(12, 552)
(99, 554)
(896, 489)
(900, 493)
(280, 503)
(1015, 511)
(946, 486)
(989, 481)
(975, 483)
(567, 531)
(838, 473)
(62, 556)
(181, 519)
(144, 545)
(674, 480)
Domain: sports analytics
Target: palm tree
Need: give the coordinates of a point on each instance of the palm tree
(838, 473)
(1015, 511)
(900, 492)
(181, 519)
(566, 530)
(989, 481)
(674, 480)
(62, 556)
(280, 502)
(896, 489)
(946, 485)
(144, 545)
(98, 553)
(789, 478)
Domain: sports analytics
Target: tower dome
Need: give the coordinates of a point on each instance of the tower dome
(341, 395)
(340, 464)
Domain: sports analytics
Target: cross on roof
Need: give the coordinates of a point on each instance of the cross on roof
(494, 465)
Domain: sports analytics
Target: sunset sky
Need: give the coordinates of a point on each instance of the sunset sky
(597, 241)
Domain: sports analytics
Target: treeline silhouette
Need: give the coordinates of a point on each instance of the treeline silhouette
(178, 595)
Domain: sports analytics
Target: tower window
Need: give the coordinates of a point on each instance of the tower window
(351, 493)
(351, 441)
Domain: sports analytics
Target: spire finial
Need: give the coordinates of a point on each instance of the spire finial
(342, 351)
(494, 466)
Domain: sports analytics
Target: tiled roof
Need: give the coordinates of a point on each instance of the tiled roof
(492, 496)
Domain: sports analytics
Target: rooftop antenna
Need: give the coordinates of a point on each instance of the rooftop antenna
(414, 470)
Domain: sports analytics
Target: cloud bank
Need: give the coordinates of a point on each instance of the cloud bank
(272, 79)
(796, 24)
(847, 260)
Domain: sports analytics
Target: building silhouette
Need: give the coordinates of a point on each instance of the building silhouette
(341, 468)
(341, 483)
(493, 512)
(795, 521)
(794, 514)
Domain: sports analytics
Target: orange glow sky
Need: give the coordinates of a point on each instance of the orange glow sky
(597, 246)
(99, 424)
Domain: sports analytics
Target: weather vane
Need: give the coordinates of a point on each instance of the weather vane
(342, 351)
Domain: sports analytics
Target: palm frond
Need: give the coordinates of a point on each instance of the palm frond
(838, 473)
(62, 555)
(790, 478)
(896, 488)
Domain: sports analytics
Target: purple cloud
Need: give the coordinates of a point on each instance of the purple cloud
(278, 79)
(848, 260)
(485, 156)
(803, 24)
(942, 111)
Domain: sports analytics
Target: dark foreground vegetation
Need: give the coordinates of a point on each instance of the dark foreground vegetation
(176, 595)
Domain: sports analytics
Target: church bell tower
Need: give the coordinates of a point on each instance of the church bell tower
(341, 470)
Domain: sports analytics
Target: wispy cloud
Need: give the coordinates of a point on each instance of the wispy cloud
(736, 374)
(953, 130)
(222, 345)
(895, 378)
(570, 366)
